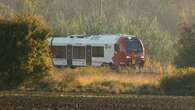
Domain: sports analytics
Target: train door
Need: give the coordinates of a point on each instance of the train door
(88, 55)
(79, 56)
(69, 55)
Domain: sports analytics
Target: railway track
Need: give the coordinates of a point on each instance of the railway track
(84, 102)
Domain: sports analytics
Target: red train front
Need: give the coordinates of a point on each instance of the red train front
(129, 51)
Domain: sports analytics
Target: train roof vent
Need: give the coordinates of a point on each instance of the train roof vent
(77, 36)
(131, 37)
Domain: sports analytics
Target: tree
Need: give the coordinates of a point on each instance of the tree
(186, 43)
(24, 50)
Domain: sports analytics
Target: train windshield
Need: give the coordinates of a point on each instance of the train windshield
(133, 45)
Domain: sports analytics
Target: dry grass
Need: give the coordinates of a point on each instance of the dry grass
(135, 79)
(104, 80)
(88, 75)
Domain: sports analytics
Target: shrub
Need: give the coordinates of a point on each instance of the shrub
(113, 87)
(186, 44)
(183, 84)
(148, 90)
(24, 51)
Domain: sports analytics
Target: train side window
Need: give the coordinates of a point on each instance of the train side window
(78, 52)
(97, 51)
(58, 51)
(116, 47)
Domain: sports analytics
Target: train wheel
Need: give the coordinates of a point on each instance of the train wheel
(104, 65)
(115, 68)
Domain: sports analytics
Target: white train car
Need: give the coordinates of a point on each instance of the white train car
(94, 50)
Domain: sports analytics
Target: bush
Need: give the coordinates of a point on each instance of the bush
(186, 44)
(107, 87)
(148, 90)
(24, 55)
(179, 84)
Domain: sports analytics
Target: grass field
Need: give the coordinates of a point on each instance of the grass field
(100, 80)
(92, 88)
(103, 80)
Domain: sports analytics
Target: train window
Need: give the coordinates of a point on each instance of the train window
(58, 51)
(98, 51)
(133, 45)
(116, 47)
(78, 52)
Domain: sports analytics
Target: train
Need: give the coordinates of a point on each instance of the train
(97, 50)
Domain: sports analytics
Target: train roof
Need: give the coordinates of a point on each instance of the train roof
(86, 40)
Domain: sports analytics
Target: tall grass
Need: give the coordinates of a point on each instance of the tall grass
(86, 79)
(158, 79)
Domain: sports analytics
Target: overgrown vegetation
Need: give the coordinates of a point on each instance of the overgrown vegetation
(25, 62)
(186, 43)
(100, 81)
(95, 80)
(179, 84)
(166, 11)
(24, 52)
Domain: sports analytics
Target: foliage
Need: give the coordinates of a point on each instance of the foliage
(182, 84)
(185, 70)
(109, 87)
(6, 11)
(148, 90)
(24, 55)
(166, 11)
(186, 44)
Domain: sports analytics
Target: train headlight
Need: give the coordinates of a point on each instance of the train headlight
(128, 57)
